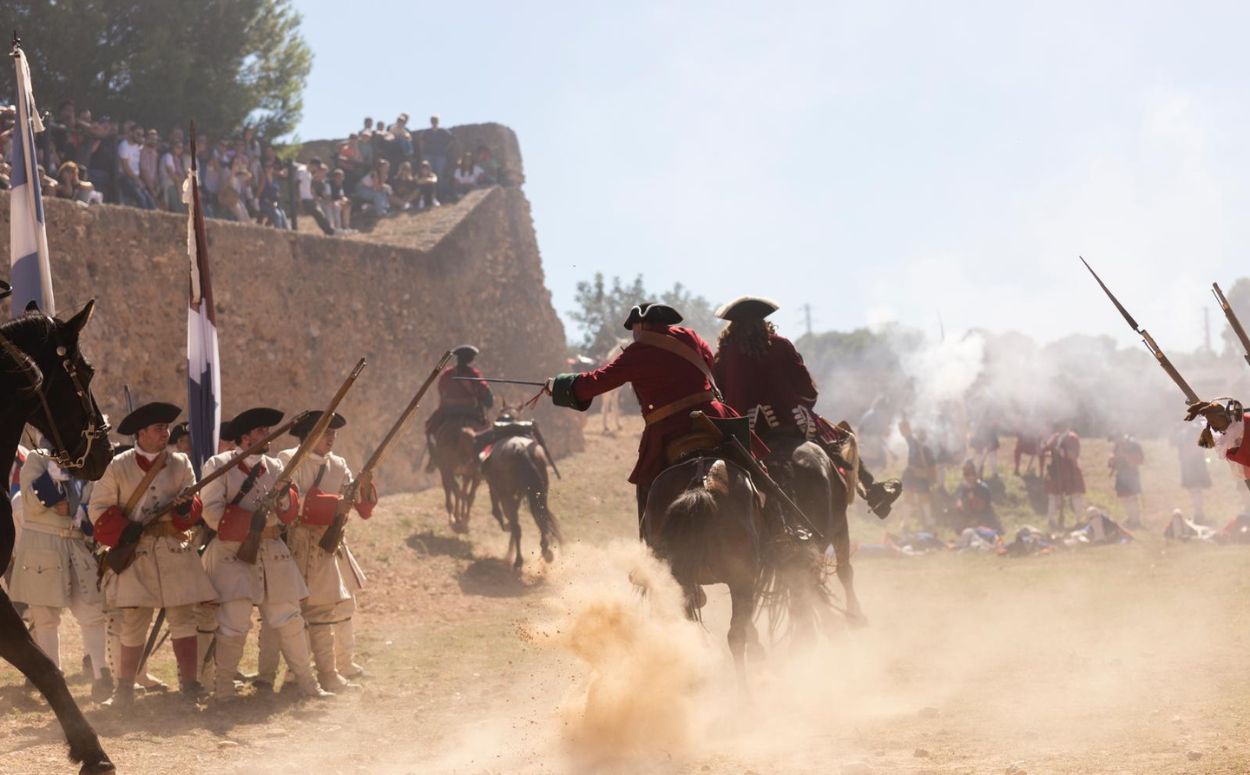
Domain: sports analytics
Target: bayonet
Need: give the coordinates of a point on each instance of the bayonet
(1233, 322)
(1155, 350)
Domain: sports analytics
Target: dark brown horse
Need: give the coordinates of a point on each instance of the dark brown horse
(46, 382)
(806, 473)
(459, 471)
(516, 470)
(702, 517)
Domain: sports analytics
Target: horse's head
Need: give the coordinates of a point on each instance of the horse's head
(54, 389)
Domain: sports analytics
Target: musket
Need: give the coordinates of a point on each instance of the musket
(758, 474)
(333, 536)
(119, 557)
(250, 547)
(502, 381)
(1190, 396)
(538, 436)
(1232, 320)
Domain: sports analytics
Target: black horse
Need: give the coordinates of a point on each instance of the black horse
(47, 382)
(516, 469)
(808, 475)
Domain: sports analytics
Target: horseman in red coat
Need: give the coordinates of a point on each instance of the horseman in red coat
(670, 370)
(459, 400)
(764, 378)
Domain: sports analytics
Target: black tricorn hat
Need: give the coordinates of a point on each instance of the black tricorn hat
(465, 353)
(650, 312)
(148, 414)
(179, 431)
(303, 426)
(747, 308)
(249, 420)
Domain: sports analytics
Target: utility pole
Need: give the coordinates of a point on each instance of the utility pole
(807, 318)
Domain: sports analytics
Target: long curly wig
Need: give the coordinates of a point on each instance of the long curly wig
(747, 336)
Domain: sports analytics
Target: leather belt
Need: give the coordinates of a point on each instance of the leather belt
(668, 410)
(60, 532)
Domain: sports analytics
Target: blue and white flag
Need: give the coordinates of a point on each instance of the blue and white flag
(203, 359)
(28, 239)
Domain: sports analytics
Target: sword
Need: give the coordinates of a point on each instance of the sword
(1164, 363)
(1233, 322)
(502, 381)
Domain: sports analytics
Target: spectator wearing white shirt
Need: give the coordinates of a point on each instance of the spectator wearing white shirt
(130, 184)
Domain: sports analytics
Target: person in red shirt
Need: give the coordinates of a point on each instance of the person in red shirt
(459, 400)
(764, 377)
(670, 370)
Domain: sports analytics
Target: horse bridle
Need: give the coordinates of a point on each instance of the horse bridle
(94, 431)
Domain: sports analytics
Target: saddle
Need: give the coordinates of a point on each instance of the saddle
(701, 441)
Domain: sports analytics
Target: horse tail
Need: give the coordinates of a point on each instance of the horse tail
(688, 520)
(534, 477)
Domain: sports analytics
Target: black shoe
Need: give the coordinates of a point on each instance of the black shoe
(102, 687)
(123, 697)
(881, 496)
(194, 691)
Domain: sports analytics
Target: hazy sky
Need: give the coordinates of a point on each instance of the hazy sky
(879, 161)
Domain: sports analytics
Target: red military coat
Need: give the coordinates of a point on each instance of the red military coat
(659, 378)
(778, 379)
(456, 392)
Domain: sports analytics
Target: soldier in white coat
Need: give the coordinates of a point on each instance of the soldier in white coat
(332, 579)
(166, 572)
(274, 583)
(55, 567)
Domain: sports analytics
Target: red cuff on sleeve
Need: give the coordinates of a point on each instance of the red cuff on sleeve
(365, 507)
(109, 527)
(288, 516)
(192, 517)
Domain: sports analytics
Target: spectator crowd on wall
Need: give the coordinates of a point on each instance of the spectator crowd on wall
(378, 171)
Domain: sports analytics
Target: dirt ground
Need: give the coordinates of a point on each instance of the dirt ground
(1124, 659)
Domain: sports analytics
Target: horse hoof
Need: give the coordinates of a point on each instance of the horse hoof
(549, 556)
(102, 767)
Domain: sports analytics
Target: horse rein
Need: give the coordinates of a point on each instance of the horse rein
(93, 432)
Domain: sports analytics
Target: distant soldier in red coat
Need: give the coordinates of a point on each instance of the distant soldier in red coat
(670, 369)
(1064, 480)
(763, 377)
(461, 401)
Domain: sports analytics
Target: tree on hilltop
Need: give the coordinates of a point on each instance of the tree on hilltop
(602, 307)
(164, 62)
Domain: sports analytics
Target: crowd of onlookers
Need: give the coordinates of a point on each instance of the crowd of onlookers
(378, 171)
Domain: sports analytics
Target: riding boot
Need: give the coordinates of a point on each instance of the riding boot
(127, 666)
(321, 638)
(227, 654)
(880, 496)
(267, 659)
(345, 650)
(430, 464)
(294, 644)
(188, 676)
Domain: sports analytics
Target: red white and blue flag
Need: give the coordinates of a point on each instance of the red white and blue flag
(28, 239)
(203, 360)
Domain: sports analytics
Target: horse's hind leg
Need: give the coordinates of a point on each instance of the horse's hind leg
(841, 538)
(514, 525)
(19, 650)
(742, 631)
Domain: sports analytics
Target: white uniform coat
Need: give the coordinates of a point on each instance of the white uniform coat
(53, 564)
(274, 578)
(166, 572)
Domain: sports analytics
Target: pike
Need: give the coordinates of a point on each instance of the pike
(1190, 396)
(250, 547)
(121, 556)
(1233, 322)
(333, 536)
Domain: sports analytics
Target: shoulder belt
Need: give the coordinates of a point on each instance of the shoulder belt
(142, 487)
(248, 483)
(683, 351)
